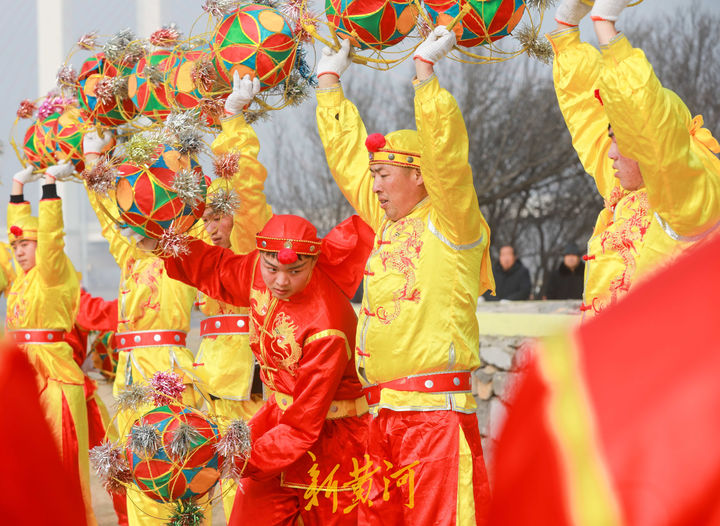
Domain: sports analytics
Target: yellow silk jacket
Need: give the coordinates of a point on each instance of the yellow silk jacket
(48, 295)
(637, 231)
(148, 300)
(225, 364)
(426, 271)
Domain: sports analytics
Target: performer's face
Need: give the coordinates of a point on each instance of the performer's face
(397, 188)
(25, 253)
(285, 280)
(626, 169)
(218, 227)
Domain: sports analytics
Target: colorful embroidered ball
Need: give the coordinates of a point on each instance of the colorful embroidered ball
(373, 24)
(487, 20)
(171, 453)
(146, 85)
(38, 146)
(68, 136)
(181, 86)
(254, 40)
(147, 200)
(100, 94)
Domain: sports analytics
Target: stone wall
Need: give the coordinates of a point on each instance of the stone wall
(504, 328)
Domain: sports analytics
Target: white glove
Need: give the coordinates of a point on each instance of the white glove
(334, 62)
(244, 89)
(437, 44)
(26, 175)
(94, 144)
(62, 170)
(608, 9)
(570, 12)
(131, 234)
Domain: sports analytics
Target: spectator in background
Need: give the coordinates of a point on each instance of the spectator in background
(512, 278)
(566, 282)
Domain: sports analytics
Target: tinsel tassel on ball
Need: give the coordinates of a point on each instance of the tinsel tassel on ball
(167, 387)
(186, 513)
(166, 36)
(111, 467)
(234, 443)
(187, 185)
(219, 8)
(226, 164)
(173, 243)
(141, 149)
(87, 41)
(144, 440)
(537, 48)
(212, 108)
(204, 75)
(101, 177)
(184, 440)
(224, 202)
(27, 109)
(133, 397)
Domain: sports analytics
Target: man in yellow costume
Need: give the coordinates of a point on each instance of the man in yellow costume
(225, 363)
(655, 165)
(417, 339)
(41, 306)
(153, 322)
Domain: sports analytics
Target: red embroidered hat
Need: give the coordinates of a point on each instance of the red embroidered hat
(288, 235)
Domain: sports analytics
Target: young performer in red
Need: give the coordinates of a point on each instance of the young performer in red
(302, 329)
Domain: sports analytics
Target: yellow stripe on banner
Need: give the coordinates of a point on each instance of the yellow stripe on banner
(592, 500)
(325, 334)
(465, 494)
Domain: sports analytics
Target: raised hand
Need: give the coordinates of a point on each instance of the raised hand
(570, 12)
(334, 62)
(437, 44)
(608, 10)
(60, 171)
(243, 92)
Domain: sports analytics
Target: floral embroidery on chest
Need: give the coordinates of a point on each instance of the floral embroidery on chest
(624, 240)
(17, 309)
(398, 252)
(147, 277)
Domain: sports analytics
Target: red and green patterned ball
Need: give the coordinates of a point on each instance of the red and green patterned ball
(113, 113)
(105, 354)
(146, 199)
(68, 136)
(373, 24)
(181, 87)
(487, 20)
(38, 145)
(254, 40)
(151, 98)
(165, 477)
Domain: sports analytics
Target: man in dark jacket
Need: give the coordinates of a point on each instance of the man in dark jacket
(512, 278)
(566, 283)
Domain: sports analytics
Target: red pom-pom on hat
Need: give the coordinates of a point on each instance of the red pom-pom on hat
(286, 256)
(16, 231)
(375, 141)
(598, 97)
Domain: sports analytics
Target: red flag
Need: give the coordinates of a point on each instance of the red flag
(619, 422)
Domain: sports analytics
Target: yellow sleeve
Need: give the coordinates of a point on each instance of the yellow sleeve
(248, 182)
(106, 211)
(576, 72)
(7, 271)
(51, 261)
(444, 164)
(653, 126)
(343, 135)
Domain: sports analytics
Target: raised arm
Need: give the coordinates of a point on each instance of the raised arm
(248, 182)
(319, 373)
(653, 126)
(216, 271)
(7, 272)
(343, 135)
(52, 263)
(576, 72)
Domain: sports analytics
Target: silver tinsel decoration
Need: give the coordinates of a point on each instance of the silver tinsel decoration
(219, 8)
(67, 77)
(153, 74)
(173, 244)
(540, 4)
(101, 177)
(187, 185)
(190, 142)
(224, 202)
(144, 440)
(185, 439)
(133, 397)
(123, 47)
(535, 47)
(234, 442)
(180, 122)
(111, 466)
(296, 89)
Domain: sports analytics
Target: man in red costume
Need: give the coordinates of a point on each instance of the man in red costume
(308, 435)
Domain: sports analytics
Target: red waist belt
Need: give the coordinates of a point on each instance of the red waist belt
(450, 382)
(37, 335)
(224, 324)
(126, 341)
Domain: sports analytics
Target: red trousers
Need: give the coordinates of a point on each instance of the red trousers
(267, 503)
(428, 469)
